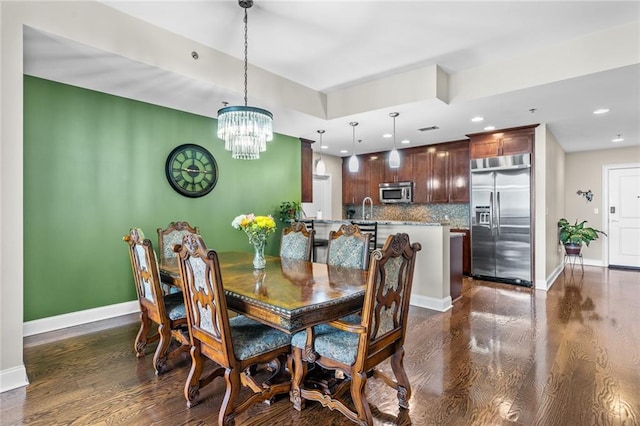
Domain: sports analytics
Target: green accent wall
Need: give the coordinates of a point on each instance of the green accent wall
(94, 168)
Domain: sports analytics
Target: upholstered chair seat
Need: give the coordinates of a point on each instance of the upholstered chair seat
(251, 338)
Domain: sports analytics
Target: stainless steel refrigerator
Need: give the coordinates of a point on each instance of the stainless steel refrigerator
(501, 219)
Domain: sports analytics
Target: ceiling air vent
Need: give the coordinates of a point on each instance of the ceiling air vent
(426, 129)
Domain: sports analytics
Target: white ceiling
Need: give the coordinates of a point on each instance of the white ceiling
(333, 46)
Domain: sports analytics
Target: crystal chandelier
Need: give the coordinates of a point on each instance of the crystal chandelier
(245, 129)
(394, 155)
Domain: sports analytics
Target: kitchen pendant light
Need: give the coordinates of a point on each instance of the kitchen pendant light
(354, 164)
(245, 129)
(394, 155)
(320, 166)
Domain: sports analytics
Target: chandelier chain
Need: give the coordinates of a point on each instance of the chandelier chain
(246, 50)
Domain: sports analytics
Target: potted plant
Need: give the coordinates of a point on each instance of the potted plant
(573, 235)
(289, 211)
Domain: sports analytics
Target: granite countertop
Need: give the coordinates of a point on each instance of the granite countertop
(456, 234)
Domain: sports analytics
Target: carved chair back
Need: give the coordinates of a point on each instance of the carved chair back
(297, 242)
(348, 247)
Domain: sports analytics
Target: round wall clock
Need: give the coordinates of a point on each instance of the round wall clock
(191, 170)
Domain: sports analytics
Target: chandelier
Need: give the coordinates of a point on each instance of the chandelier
(245, 129)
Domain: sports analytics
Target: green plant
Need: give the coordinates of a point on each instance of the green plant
(577, 233)
(289, 210)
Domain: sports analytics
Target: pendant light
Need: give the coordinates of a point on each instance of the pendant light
(320, 166)
(394, 155)
(245, 129)
(354, 164)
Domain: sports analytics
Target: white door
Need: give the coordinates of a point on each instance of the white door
(320, 208)
(624, 217)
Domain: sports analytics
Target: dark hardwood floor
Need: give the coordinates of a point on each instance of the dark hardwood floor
(503, 355)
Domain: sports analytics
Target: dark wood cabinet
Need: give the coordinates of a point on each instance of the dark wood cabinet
(363, 183)
(517, 140)
(466, 251)
(459, 173)
(306, 172)
(404, 173)
(440, 174)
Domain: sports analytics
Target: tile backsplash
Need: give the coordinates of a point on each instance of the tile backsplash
(457, 215)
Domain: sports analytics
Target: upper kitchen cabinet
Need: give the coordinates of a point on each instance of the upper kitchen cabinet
(363, 183)
(459, 172)
(404, 173)
(441, 173)
(306, 172)
(517, 140)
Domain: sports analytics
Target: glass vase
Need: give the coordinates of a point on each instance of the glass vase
(259, 262)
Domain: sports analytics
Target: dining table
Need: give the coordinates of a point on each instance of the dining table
(287, 294)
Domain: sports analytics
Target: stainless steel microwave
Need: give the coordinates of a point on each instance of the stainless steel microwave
(396, 192)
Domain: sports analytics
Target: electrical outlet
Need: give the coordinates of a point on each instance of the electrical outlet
(596, 211)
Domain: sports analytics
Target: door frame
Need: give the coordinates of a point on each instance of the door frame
(606, 168)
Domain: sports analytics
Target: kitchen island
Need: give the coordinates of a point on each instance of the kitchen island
(431, 278)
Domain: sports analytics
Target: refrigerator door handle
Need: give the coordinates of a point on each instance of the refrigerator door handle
(499, 213)
(491, 212)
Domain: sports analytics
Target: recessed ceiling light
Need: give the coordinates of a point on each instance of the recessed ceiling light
(477, 119)
(619, 138)
(387, 135)
(405, 141)
(601, 111)
(490, 128)
(343, 151)
(324, 147)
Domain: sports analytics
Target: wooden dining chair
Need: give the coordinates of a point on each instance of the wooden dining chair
(236, 344)
(297, 242)
(348, 247)
(172, 235)
(357, 349)
(167, 311)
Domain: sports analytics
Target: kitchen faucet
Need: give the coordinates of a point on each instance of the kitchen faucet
(364, 202)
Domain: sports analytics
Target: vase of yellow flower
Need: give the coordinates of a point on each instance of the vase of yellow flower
(257, 229)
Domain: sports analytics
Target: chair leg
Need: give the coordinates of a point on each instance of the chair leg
(141, 339)
(192, 385)
(404, 387)
(358, 382)
(227, 414)
(160, 357)
(299, 372)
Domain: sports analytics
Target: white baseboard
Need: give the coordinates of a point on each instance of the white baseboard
(545, 285)
(13, 378)
(71, 319)
(440, 305)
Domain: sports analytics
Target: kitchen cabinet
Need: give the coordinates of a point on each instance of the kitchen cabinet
(306, 172)
(441, 173)
(363, 183)
(455, 266)
(466, 250)
(404, 173)
(517, 140)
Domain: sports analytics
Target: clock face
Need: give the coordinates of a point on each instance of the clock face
(191, 170)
